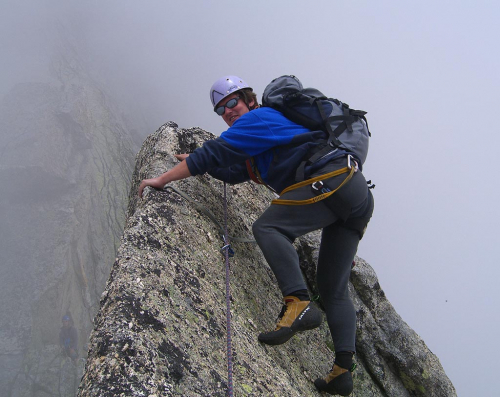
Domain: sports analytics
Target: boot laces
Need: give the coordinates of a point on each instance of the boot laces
(280, 316)
(337, 370)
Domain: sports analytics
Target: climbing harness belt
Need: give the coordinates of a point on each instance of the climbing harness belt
(226, 249)
(325, 193)
(350, 169)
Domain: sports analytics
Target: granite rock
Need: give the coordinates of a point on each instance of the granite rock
(162, 326)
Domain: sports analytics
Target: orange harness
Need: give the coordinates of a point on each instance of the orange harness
(349, 170)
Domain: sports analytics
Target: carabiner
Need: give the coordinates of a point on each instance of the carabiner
(349, 165)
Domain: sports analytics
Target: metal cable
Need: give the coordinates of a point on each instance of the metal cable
(227, 250)
(228, 304)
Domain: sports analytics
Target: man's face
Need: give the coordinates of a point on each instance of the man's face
(233, 114)
(65, 323)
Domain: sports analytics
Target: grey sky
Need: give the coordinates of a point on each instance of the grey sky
(426, 72)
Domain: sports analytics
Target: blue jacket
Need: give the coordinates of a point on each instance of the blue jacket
(277, 145)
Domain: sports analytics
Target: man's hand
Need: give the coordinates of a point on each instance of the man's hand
(154, 182)
(181, 157)
(180, 171)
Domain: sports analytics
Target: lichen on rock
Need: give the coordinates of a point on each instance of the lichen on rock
(161, 327)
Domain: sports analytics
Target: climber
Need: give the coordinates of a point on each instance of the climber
(277, 146)
(68, 338)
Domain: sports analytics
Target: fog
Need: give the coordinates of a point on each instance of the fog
(426, 73)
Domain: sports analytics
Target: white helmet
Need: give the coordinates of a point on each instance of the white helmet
(225, 86)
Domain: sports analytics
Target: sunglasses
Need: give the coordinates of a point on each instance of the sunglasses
(230, 104)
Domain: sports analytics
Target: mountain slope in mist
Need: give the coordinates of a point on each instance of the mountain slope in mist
(65, 162)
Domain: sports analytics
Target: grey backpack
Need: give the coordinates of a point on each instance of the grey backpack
(347, 128)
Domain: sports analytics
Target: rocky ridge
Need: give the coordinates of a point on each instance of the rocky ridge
(161, 327)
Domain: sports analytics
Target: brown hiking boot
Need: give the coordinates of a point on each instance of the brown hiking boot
(296, 316)
(338, 381)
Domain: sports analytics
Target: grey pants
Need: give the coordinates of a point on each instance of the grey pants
(278, 227)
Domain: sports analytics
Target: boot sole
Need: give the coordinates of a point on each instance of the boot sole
(342, 387)
(284, 334)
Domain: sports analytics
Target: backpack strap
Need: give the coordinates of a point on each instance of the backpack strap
(254, 174)
(325, 148)
(251, 169)
(333, 134)
(359, 114)
(350, 116)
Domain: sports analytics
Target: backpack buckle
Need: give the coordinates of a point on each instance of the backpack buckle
(349, 165)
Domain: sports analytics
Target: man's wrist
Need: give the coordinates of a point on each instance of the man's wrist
(165, 178)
